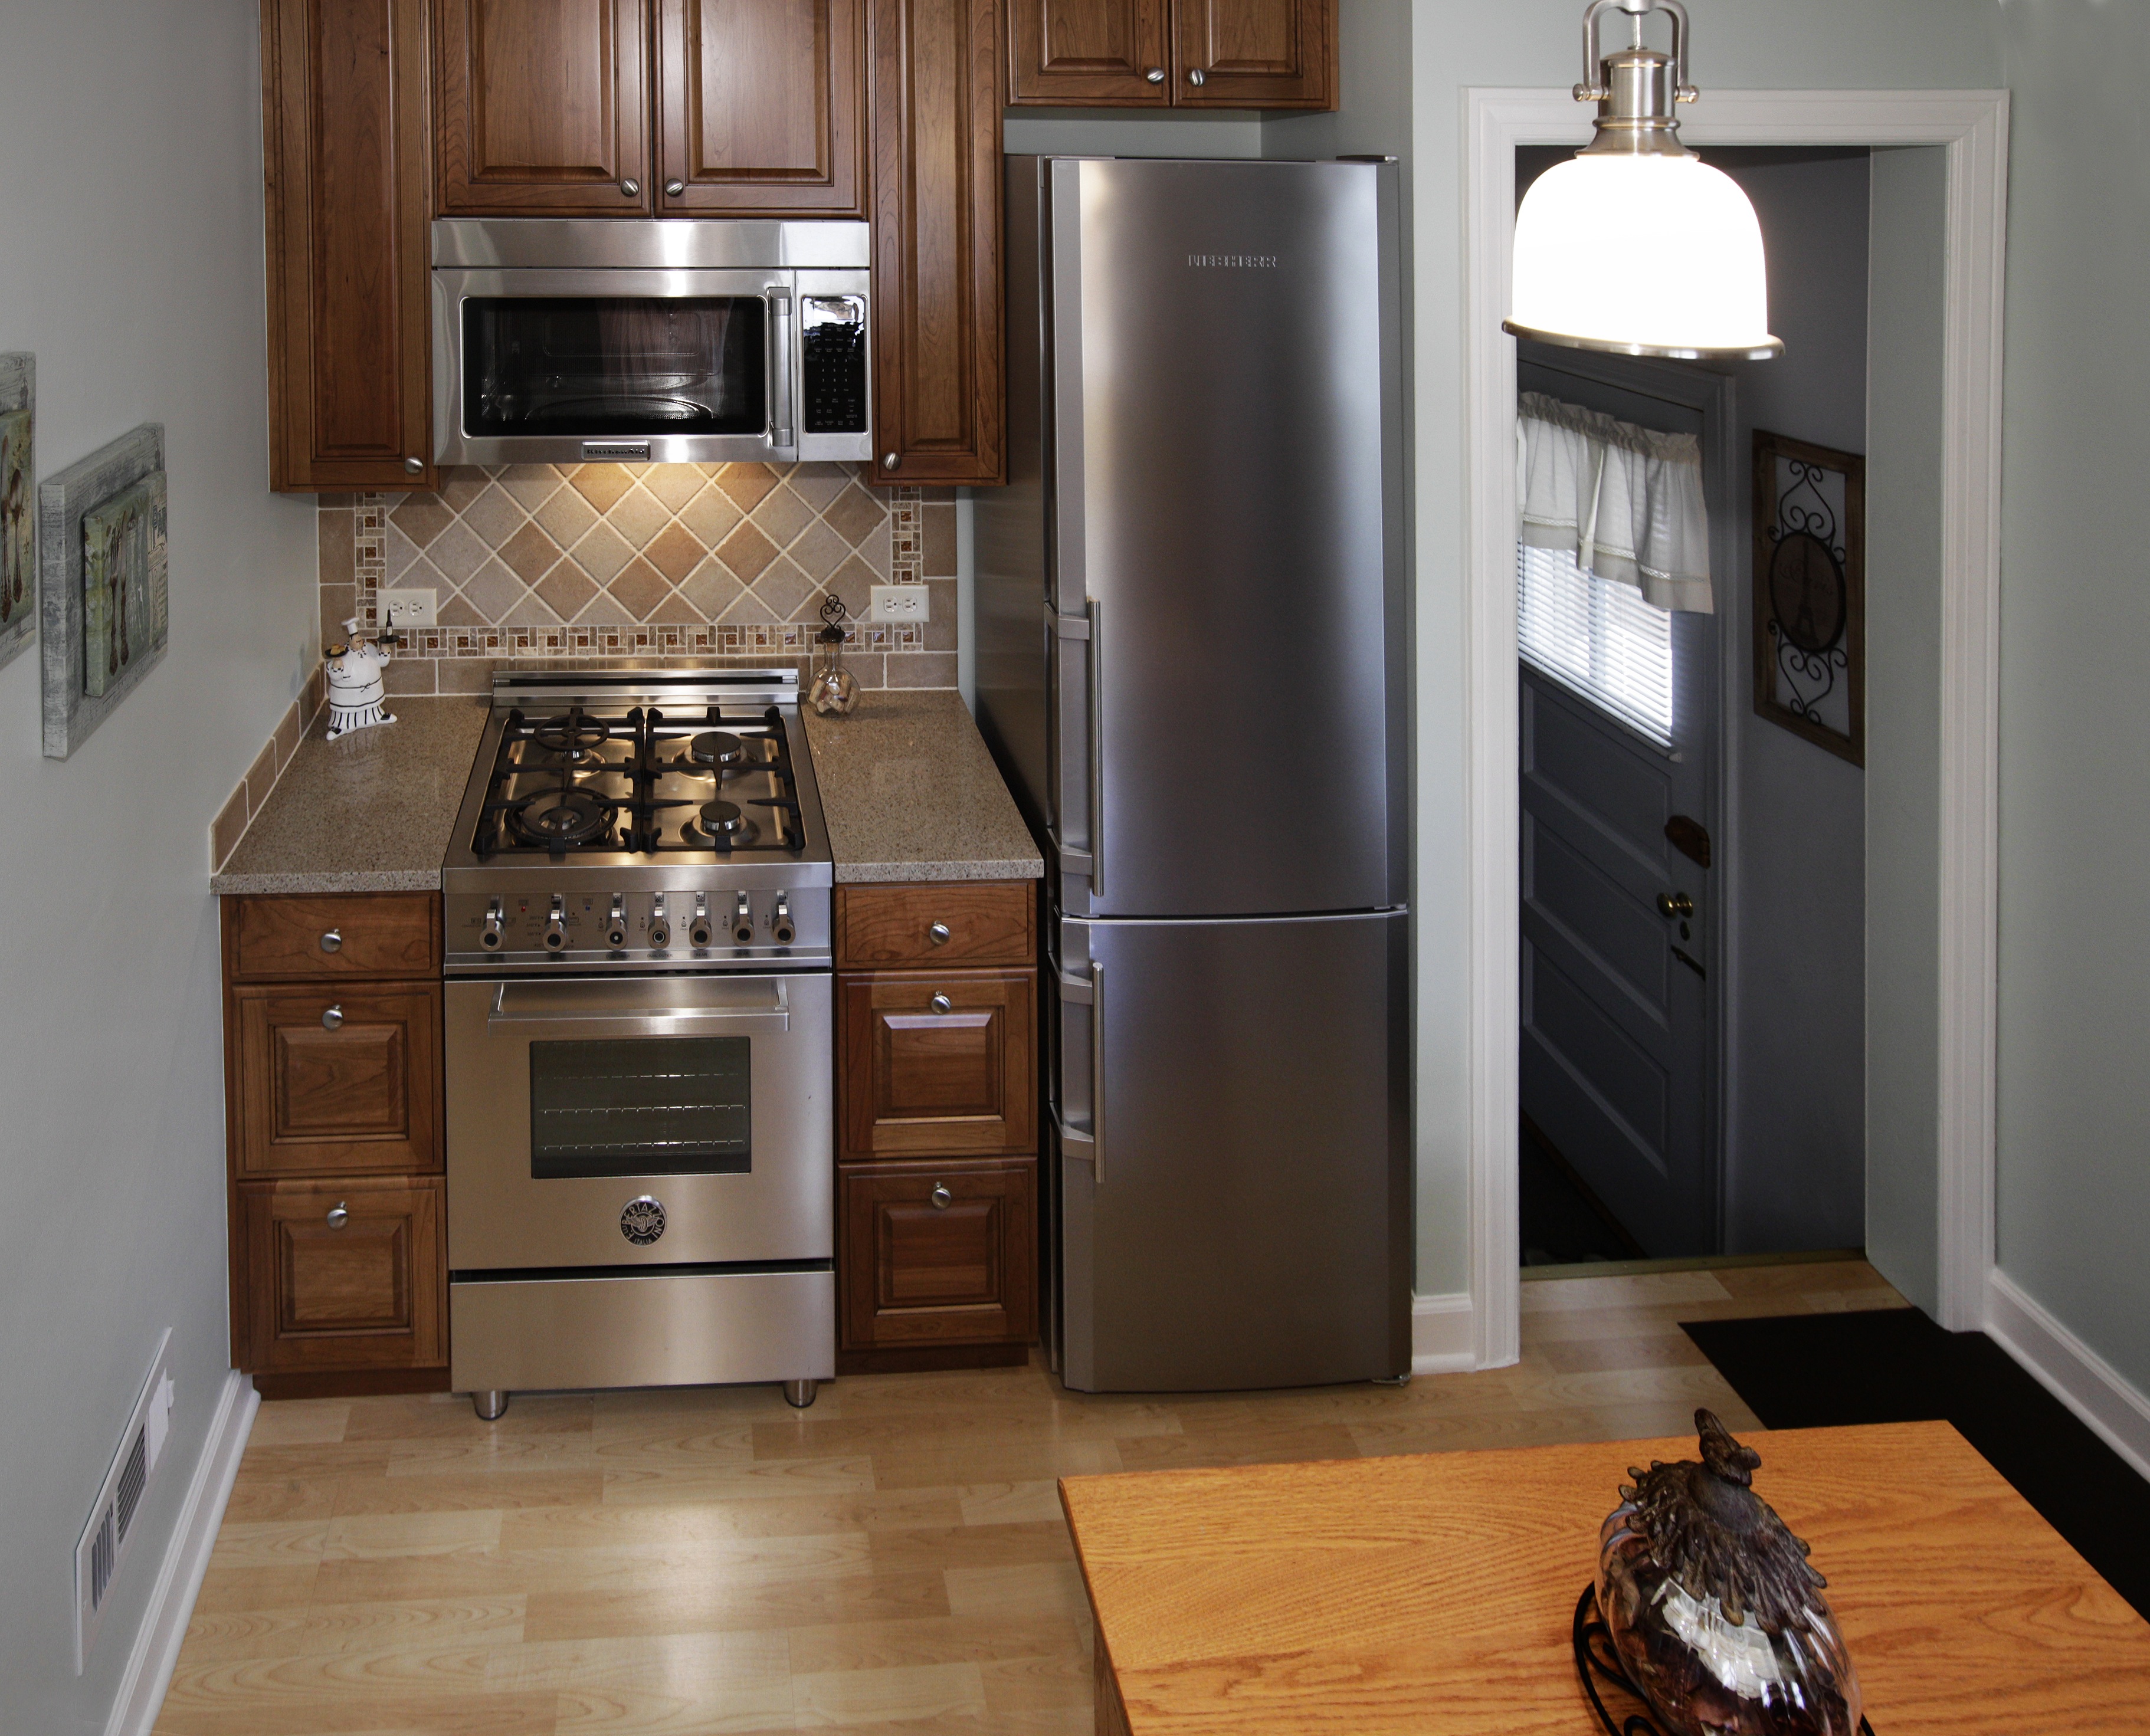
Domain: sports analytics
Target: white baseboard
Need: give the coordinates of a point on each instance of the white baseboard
(157, 1643)
(2069, 1369)
(1444, 1338)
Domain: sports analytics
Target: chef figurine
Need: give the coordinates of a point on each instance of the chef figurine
(356, 689)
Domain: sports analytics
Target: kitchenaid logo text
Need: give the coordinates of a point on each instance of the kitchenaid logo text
(1233, 261)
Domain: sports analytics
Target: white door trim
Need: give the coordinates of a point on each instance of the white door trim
(1972, 126)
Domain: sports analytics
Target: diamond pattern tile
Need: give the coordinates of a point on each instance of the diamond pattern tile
(638, 515)
(566, 517)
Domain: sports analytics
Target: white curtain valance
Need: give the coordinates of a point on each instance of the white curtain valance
(1625, 500)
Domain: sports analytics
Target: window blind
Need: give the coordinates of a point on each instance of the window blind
(1597, 636)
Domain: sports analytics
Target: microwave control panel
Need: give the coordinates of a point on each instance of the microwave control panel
(833, 365)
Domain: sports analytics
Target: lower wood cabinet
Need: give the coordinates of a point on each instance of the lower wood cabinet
(338, 1079)
(942, 1063)
(939, 1253)
(343, 1275)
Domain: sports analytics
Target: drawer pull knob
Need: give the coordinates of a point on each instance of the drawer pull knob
(332, 1019)
(942, 1004)
(938, 934)
(674, 188)
(940, 1197)
(332, 941)
(1155, 75)
(630, 188)
(339, 1215)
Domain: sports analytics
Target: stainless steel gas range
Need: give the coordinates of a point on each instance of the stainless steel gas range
(639, 1040)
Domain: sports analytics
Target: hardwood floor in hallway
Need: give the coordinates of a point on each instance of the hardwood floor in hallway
(705, 1560)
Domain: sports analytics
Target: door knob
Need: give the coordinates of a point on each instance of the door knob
(630, 188)
(339, 1215)
(1675, 904)
(942, 1004)
(1155, 75)
(938, 934)
(332, 1019)
(673, 189)
(1197, 76)
(332, 941)
(940, 1197)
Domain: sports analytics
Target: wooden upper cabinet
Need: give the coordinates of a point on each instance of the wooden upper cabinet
(1255, 54)
(345, 154)
(542, 109)
(933, 76)
(1087, 52)
(760, 107)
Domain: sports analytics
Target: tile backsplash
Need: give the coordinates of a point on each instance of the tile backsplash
(723, 562)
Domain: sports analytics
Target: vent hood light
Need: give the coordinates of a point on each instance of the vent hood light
(1636, 244)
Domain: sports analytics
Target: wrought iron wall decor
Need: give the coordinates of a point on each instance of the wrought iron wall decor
(18, 507)
(1810, 591)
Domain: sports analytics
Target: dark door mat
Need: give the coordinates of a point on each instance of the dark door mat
(1893, 1364)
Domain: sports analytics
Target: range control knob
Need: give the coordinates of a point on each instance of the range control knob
(785, 930)
(743, 922)
(556, 925)
(660, 930)
(616, 924)
(491, 937)
(701, 933)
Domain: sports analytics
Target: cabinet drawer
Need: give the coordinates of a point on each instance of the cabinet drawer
(939, 1063)
(939, 1253)
(343, 1276)
(351, 934)
(338, 1079)
(953, 922)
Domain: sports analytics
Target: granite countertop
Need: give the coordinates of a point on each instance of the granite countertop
(370, 812)
(910, 793)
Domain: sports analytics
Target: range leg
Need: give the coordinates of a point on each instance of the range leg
(799, 1394)
(488, 1405)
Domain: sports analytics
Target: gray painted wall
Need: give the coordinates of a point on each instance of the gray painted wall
(2075, 733)
(130, 261)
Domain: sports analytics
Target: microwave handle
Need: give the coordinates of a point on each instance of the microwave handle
(783, 393)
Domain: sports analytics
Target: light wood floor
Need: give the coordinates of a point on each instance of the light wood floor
(707, 1559)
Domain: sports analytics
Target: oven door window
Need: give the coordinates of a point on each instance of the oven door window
(641, 1106)
(614, 366)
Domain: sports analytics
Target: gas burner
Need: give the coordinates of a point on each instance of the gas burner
(723, 827)
(716, 749)
(560, 817)
(572, 737)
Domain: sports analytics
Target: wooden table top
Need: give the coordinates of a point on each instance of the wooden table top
(1434, 1593)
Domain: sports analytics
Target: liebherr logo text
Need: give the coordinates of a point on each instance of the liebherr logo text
(1234, 261)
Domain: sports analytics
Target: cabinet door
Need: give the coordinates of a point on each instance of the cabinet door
(1112, 51)
(343, 1274)
(761, 106)
(939, 1255)
(935, 88)
(1255, 54)
(940, 1063)
(543, 109)
(338, 1080)
(344, 151)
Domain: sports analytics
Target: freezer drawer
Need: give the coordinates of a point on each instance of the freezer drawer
(1233, 1153)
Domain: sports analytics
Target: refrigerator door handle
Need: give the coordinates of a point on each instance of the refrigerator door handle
(1075, 990)
(1097, 729)
(1072, 630)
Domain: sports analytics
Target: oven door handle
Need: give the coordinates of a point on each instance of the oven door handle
(634, 1003)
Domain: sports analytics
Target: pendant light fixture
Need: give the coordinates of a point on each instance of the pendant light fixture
(1635, 244)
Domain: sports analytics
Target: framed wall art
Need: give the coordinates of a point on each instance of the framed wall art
(18, 516)
(1810, 591)
(104, 603)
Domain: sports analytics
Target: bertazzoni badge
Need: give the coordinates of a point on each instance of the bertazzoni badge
(643, 1221)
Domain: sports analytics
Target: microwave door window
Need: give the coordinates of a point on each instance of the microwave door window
(615, 366)
(641, 1106)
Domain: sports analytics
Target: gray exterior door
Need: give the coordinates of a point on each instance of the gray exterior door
(1235, 1201)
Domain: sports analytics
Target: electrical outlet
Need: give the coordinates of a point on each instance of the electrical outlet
(410, 609)
(910, 604)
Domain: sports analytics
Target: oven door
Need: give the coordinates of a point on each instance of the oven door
(655, 1121)
(667, 366)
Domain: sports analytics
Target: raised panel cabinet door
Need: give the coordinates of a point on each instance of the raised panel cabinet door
(939, 1253)
(344, 146)
(1255, 54)
(1112, 51)
(543, 109)
(335, 1080)
(343, 1274)
(939, 1064)
(760, 107)
(934, 82)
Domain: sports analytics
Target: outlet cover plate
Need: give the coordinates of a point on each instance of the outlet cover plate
(410, 609)
(906, 604)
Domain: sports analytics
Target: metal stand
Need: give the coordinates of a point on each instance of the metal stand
(799, 1394)
(1595, 1655)
(489, 1406)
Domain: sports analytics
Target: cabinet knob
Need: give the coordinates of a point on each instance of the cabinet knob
(416, 466)
(1195, 75)
(332, 1019)
(938, 934)
(630, 188)
(1155, 75)
(940, 1197)
(889, 460)
(673, 189)
(332, 941)
(942, 1004)
(339, 1215)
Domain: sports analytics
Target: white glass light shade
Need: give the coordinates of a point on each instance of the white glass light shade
(1651, 256)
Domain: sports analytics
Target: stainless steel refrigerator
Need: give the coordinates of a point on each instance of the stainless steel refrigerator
(1190, 633)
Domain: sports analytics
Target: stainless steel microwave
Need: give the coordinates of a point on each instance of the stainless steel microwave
(668, 341)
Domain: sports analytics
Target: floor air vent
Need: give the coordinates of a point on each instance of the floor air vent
(104, 1539)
